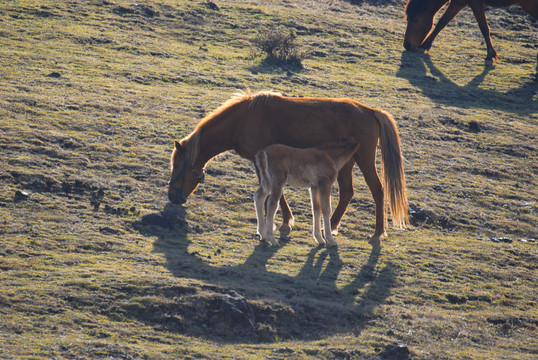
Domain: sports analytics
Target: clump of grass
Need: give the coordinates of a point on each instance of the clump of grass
(280, 47)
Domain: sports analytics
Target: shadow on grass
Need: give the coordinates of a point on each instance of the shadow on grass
(306, 306)
(415, 66)
(271, 65)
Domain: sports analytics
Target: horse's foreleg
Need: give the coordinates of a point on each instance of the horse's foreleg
(287, 218)
(478, 10)
(345, 188)
(453, 9)
(366, 163)
(316, 216)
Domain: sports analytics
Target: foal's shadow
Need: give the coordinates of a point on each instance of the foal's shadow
(315, 286)
(415, 66)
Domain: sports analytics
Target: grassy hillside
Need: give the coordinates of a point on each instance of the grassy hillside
(96, 264)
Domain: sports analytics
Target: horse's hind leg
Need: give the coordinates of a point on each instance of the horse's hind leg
(366, 163)
(325, 200)
(287, 218)
(316, 216)
(345, 188)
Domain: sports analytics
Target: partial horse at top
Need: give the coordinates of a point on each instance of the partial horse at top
(421, 13)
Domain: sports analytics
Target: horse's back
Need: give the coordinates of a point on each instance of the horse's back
(305, 122)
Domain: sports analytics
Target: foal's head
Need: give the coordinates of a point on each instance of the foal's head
(185, 175)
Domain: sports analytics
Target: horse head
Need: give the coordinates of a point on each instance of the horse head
(185, 176)
(419, 15)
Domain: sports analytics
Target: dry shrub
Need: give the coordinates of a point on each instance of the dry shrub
(279, 47)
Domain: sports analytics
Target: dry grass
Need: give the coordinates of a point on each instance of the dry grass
(94, 93)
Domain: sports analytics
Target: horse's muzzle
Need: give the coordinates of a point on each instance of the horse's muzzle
(409, 47)
(177, 198)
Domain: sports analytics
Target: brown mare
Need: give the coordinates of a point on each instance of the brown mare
(313, 168)
(420, 15)
(248, 123)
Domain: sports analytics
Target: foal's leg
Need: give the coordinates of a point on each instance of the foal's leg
(316, 216)
(325, 199)
(259, 203)
(366, 162)
(272, 205)
(345, 188)
(287, 218)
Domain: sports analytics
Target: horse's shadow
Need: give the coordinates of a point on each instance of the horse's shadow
(415, 66)
(308, 305)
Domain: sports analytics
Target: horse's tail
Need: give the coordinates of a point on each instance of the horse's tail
(392, 168)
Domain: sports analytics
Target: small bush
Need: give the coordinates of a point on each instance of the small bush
(279, 46)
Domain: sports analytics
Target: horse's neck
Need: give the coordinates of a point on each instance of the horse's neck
(214, 140)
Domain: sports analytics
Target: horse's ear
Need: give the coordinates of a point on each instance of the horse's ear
(178, 145)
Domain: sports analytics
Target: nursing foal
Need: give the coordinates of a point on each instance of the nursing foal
(314, 168)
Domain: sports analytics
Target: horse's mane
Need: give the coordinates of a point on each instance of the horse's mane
(192, 141)
(413, 6)
(237, 98)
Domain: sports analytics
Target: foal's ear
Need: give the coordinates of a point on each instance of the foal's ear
(178, 145)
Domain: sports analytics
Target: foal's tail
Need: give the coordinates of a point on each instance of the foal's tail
(392, 167)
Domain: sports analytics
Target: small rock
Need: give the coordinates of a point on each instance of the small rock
(211, 5)
(155, 219)
(55, 75)
(284, 350)
(237, 308)
(503, 239)
(474, 127)
(21, 196)
(395, 352)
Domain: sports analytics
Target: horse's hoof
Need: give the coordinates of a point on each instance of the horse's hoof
(375, 241)
(284, 230)
(489, 62)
